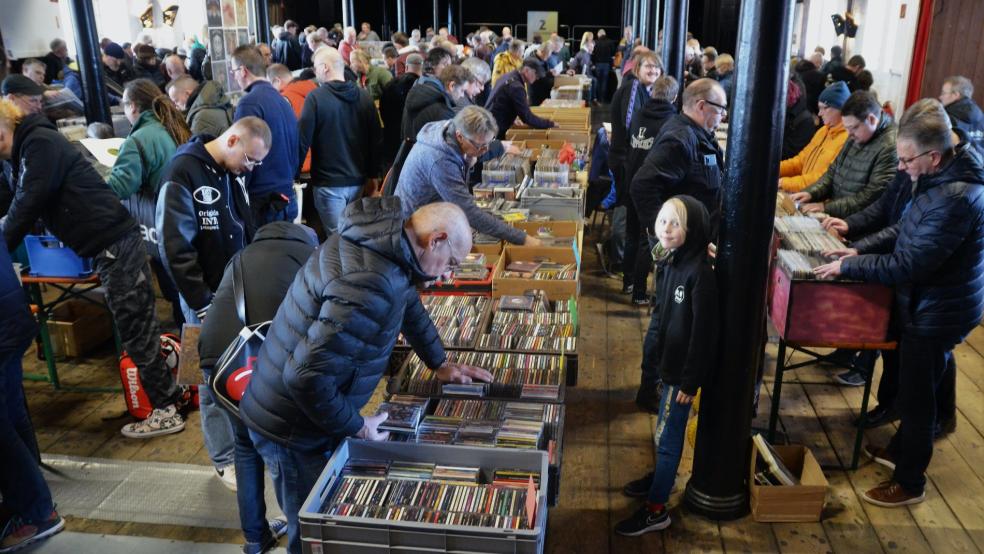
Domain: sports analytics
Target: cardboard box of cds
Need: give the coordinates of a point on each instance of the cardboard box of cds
(557, 284)
(375, 497)
(801, 501)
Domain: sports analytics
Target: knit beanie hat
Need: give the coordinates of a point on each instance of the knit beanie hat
(835, 95)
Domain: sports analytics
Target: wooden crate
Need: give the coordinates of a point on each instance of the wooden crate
(803, 502)
(555, 228)
(77, 327)
(821, 313)
(502, 286)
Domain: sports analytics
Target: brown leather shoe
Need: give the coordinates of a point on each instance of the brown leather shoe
(880, 455)
(890, 494)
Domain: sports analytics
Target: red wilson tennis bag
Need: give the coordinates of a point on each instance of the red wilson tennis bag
(235, 367)
(137, 402)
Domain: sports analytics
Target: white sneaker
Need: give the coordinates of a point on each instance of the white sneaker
(162, 421)
(227, 475)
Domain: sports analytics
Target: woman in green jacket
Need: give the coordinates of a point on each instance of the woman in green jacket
(158, 129)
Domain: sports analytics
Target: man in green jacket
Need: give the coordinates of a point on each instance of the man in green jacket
(206, 106)
(864, 167)
(371, 77)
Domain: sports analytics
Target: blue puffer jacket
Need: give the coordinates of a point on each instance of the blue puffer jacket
(332, 337)
(937, 263)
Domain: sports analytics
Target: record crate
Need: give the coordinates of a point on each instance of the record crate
(324, 533)
(555, 288)
(552, 442)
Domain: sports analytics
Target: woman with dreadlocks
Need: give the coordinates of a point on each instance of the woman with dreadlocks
(158, 129)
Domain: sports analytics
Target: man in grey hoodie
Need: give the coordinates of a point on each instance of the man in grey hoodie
(437, 170)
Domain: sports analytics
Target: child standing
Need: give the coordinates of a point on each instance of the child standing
(683, 353)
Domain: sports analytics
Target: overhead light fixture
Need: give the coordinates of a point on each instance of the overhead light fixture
(147, 17)
(170, 13)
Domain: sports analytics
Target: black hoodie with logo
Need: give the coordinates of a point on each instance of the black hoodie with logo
(203, 218)
(340, 125)
(688, 306)
(645, 126)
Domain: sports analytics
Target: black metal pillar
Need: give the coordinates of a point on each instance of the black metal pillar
(346, 14)
(675, 38)
(262, 21)
(401, 16)
(718, 487)
(90, 62)
(636, 4)
(437, 22)
(460, 31)
(644, 17)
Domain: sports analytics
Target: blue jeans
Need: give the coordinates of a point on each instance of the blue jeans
(330, 202)
(249, 486)
(670, 431)
(294, 474)
(22, 486)
(264, 213)
(216, 422)
(601, 71)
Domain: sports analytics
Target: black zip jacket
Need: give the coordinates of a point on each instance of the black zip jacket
(340, 125)
(686, 159)
(269, 265)
(391, 105)
(203, 218)
(647, 123)
(55, 183)
(427, 101)
(936, 260)
(688, 307)
(966, 116)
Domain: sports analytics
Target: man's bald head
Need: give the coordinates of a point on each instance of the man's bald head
(181, 89)
(441, 236)
(329, 65)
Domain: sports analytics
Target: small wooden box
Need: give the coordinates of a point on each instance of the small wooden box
(514, 286)
(554, 228)
(488, 249)
(803, 502)
(77, 327)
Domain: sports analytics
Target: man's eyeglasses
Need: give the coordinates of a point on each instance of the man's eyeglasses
(906, 161)
(482, 148)
(453, 264)
(233, 70)
(721, 110)
(250, 164)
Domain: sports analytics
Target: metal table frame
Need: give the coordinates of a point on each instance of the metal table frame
(69, 288)
(781, 368)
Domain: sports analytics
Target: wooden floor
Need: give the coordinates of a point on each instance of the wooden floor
(608, 442)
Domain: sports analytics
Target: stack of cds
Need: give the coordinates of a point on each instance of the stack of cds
(798, 265)
(519, 433)
(410, 470)
(549, 172)
(515, 375)
(438, 430)
(448, 495)
(457, 318)
(508, 170)
(528, 322)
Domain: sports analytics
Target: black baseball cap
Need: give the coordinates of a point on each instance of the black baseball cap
(19, 84)
(536, 66)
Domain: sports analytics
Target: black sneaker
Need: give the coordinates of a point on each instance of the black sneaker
(851, 378)
(627, 289)
(944, 428)
(643, 521)
(640, 301)
(640, 487)
(878, 416)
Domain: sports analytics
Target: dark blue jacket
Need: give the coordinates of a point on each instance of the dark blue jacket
(966, 116)
(17, 326)
(865, 227)
(937, 260)
(508, 100)
(277, 172)
(333, 335)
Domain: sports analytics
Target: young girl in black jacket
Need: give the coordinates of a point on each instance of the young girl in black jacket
(687, 331)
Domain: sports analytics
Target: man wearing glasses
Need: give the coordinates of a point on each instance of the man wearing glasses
(864, 167)
(203, 219)
(438, 165)
(933, 256)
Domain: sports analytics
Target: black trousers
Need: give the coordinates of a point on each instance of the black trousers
(888, 386)
(636, 261)
(922, 368)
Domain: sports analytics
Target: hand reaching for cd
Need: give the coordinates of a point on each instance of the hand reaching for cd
(452, 372)
(370, 428)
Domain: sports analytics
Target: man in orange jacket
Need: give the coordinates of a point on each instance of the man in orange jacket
(295, 91)
(803, 169)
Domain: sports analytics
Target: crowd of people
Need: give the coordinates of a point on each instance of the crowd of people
(203, 185)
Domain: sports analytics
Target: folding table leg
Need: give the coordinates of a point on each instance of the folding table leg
(49, 353)
(777, 389)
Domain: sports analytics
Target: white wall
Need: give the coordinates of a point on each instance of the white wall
(29, 25)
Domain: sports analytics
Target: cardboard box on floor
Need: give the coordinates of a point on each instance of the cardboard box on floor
(77, 327)
(803, 502)
(503, 286)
